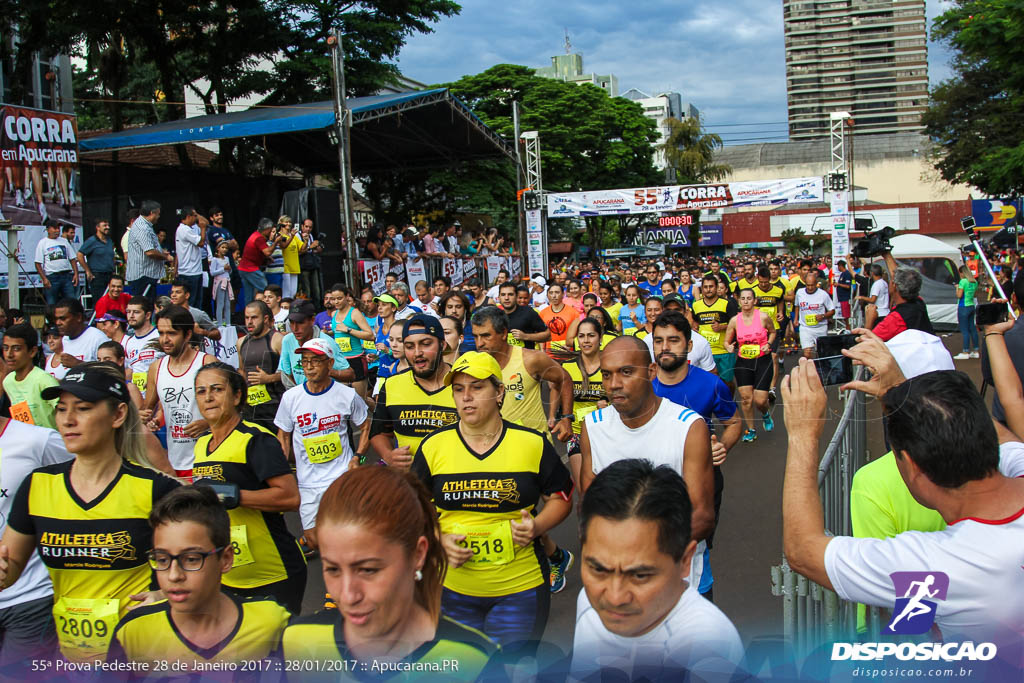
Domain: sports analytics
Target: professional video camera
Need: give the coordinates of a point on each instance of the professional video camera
(874, 243)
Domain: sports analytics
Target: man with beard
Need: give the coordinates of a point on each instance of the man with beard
(416, 402)
(174, 377)
(689, 386)
(259, 354)
(143, 347)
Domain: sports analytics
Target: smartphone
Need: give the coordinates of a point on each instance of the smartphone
(990, 314)
(832, 366)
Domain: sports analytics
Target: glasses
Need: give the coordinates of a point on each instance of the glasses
(190, 561)
(312, 361)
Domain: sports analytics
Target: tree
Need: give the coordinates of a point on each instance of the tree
(689, 156)
(796, 241)
(977, 116)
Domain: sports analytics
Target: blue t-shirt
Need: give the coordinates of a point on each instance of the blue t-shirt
(649, 288)
(289, 363)
(701, 391)
(98, 254)
(843, 293)
(627, 322)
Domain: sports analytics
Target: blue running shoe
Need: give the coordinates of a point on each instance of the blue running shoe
(749, 435)
(769, 423)
(560, 569)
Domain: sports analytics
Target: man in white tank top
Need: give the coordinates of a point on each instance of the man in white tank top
(174, 377)
(139, 354)
(640, 423)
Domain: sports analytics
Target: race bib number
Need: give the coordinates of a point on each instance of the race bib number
(22, 413)
(712, 336)
(750, 351)
(258, 395)
(85, 626)
(491, 543)
(140, 380)
(323, 448)
(810, 319)
(240, 546)
(369, 346)
(344, 343)
(512, 341)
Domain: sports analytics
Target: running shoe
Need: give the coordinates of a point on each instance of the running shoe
(772, 398)
(975, 354)
(963, 355)
(769, 423)
(560, 569)
(749, 435)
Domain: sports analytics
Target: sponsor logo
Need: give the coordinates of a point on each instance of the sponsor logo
(498, 490)
(916, 593)
(105, 548)
(947, 652)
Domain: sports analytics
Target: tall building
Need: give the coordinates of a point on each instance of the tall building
(49, 80)
(662, 107)
(569, 68)
(866, 57)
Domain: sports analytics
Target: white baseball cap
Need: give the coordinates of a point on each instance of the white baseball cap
(319, 346)
(918, 352)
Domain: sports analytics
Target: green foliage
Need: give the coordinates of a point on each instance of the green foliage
(977, 116)
(689, 155)
(796, 241)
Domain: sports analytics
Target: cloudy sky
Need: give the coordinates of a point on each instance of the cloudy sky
(726, 57)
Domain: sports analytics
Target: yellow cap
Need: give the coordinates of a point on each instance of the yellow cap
(476, 364)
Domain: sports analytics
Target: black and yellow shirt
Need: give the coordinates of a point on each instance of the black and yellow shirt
(321, 638)
(95, 552)
(410, 412)
(768, 302)
(478, 495)
(265, 551)
(584, 401)
(149, 634)
(720, 311)
(737, 286)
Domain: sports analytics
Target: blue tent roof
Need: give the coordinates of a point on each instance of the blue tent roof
(427, 127)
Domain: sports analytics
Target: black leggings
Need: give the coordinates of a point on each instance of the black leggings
(287, 593)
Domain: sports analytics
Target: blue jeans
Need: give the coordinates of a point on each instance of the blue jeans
(144, 286)
(195, 288)
(60, 287)
(968, 329)
(253, 282)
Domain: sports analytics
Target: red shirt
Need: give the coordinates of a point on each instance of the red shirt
(105, 303)
(252, 254)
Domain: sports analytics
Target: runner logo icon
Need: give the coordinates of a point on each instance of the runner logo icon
(916, 593)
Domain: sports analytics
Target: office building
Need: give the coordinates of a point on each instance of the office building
(660, 108)
(569, 68)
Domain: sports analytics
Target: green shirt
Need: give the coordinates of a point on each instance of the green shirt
(26, 393)
(970, 289)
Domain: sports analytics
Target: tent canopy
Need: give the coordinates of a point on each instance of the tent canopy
(920, 246)
(419, 129)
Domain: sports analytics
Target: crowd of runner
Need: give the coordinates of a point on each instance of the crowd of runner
(430, 442)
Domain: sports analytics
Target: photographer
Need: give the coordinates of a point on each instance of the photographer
(908, 310)
(255, 254)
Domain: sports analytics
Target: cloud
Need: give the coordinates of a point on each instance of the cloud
(727, 58)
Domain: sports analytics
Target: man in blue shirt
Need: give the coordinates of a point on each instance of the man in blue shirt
(843, 288)
(652, 285)
(96, 256)
(698, 390)
(303, 329)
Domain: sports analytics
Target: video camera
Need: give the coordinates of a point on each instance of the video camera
(874, 243)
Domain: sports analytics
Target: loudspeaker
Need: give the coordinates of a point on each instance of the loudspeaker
(323, 206)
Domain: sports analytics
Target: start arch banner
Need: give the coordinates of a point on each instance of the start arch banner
(686, 197)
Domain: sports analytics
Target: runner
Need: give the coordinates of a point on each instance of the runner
(259, 357)
(452, 338)
(525, 327)
(368, 307)
(174, 378)
(486, 476)
(814, 308)
(267, 559)
(711, 315)
(313, 428)
(55, 343)
(24, 382)
(700, 350)
(114, 324)
(80, 341)
(587, 388)
(751, 336)
(382, 557)
(748, 281)
(94, 506)
(415, 402)
(301, 318)
(27, 630)
(770, 298)
(198, 624)
(558, 317)
(456, 305)
(350, 329)
(635, 531)
(143, 347)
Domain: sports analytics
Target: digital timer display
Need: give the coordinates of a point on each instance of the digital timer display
(674, 221)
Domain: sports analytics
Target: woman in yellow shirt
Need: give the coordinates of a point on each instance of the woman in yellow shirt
(291, 250)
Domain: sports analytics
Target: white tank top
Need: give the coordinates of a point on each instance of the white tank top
(663, 439)
(178, 399)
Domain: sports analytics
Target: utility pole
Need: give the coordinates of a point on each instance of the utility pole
(536, 244)
(341, 131)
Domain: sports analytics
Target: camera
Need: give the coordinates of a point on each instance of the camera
(874, 243)
(321, 236)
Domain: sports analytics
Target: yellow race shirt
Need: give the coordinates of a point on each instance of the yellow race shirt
(768, 302)
(478, 495)
(584, 399)
(737, 286)
(410, 412)
(720, 311)
(265, 551)
(149, 634)
(95, 551)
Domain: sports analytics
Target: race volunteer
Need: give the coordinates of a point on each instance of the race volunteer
(198, 624)
(302, 316)
(312, 424)
(350, 329)
(751, 336)
(414, 402)
(711, 315)
(382, 557)
(587, 389)
(558, 316)
(174, 378)
(267, 559)
(80, 341)
(141, 349)
(675, 435)
(640, 613)
(26, 608)
(525, 327)
(87, 517)
(259, 356)
(486, 476)
(814, 308)
(25, 381)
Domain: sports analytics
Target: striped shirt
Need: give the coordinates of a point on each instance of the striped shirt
(141, 239)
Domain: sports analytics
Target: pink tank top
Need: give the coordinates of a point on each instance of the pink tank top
(754, 333)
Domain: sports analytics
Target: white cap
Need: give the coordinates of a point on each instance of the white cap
(918, 352)
(540, 281)
(319, 346)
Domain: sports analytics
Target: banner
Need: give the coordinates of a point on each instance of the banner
(452, 267)
(685, 197)
(30, 138)
(374, 273)
(840, 228)
(710, 236)
(415, 271)
(515, 266)
(225, 348)
(27, 241)
(535, 243)
(992, 214)
(494, 264)
(469, 268)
